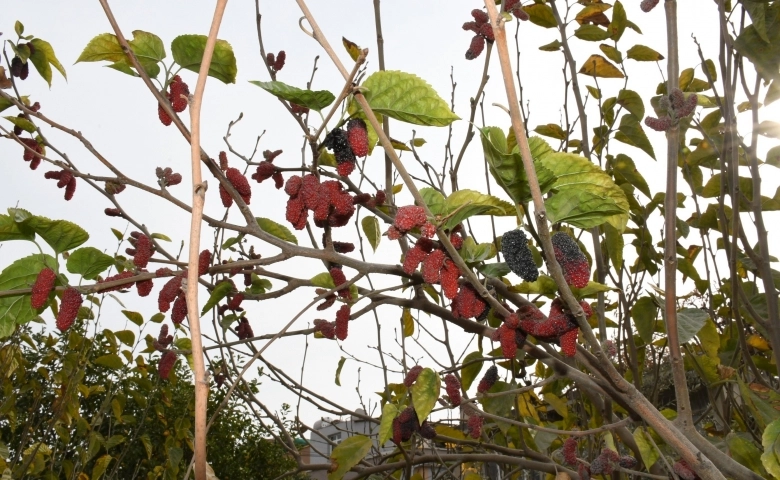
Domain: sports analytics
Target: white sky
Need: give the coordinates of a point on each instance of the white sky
(119, 116)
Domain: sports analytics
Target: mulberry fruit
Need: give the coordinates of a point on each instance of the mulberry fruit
(408, 424)
(456, 240)
(357, 134)
(343, 247)
(169, 292)
(345, 168)
(476, 47)
(412, 375)
(167, 361)
(627, 461)
(342, 322)
(163, 115)
(269, 155)
(265, 170)
(684, 471)
(583, 471)
(508, 344)
(659, 124)
(179, 311)
(278, 179)
(575, 266)
(337, 274)
(326, 328)
(44, 284)
(514, 246)
(298, 109)
(143, 251)
(488, 380)
(648, 5)
(414, 256)
(144, 287)
(179, 91)
(397, 431)
(480, 16)
(16, 67)
(428, 230)
(486, 30)
(475, 426)
(296, 213)
(235, 303)
(240, 183)
(279, 62)
(450, 274)
(163, 338)
(338, 141)
(204, 261)
(610, 454)
(380, 197)
(452, 386)
(118, 276)
(244, 330)
(570, 451)
(409, 217)
(432, 265)
(427, 431)
(69, 308)
(293, 185)
(227, 200)
(568, 342)
(468, 304)
(223, 161)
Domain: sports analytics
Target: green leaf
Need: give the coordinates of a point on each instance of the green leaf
(22, 123)
(134, 317)
(772, 158)
(11, 230)
(436, 201)
(631, 132)
(473, 253)
(425, 392)
(553, 46)
(494, 270)
(584, 195)
(324, 280)
(389, 412)
(598, 66)
(149, 50)
(104, 47)
(644, 313)
(88, 262)
(101, 465)
(551, 130)
(112, 361)
(20, 274)
(646, 449)
(761, 43)
(541, 14)
(591, 33)
(347, 454)
(543, 285)
(161, 236)
(632, 102)
(771, 443)
(187, 51)
(614, 244)
(126, 336)
(315, 100)
(221, 291)
(18, 28)
(44, 58)
(371, 229)
(641, 53)
(689, 322)
(507, 167)
(619, 22)
(611, 52)
(407, 323)
(466, 203)
(276, 229)
(61, 235)
(469, 372)
(407, 98)
(594, 92)
(624, 170)
(746, 452)
(338, 370)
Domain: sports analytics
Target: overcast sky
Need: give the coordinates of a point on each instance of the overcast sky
(119, 116)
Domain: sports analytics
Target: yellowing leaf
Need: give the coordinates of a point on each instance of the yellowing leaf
(758, 342)
(641, 53)
(352, 49)
(598, 66)
(347, 454)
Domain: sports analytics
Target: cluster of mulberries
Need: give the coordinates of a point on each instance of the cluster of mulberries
(337, 274)
(265, 169)
(166, 177)
(337, 329)
(178, 93)
(170, 292)
(369, 201)
(276, 62)
(516, 9)
(179, 310)
(244, 330)
(44, 284)
(167, 361)
(488, 380)
(575, 266)
(452, 386)
(405, 424)
(338, 141)
(427, 431)
(412, 374)
(328, 302)
(475, 423)
(676, 106)
(118, 276)
(240, 183)
(326, 328)
(163, 340)
(605, 463)
(331, 204)
(468, 304)
(627, 461)
(64, 179)
(511, 338)
(406, 218)
(570, 451)
(234, 304)
(143, 250)
(559, 326)
(648, 5)
(684, 471)
(69, 308)
(20, 69)
(144, 287)
(514, 246)
(33, 152)
(483, 30)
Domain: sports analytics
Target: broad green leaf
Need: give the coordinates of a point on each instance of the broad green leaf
(104, 47)
(324, 280)
(315, 100)
(466, 203)
(689, 322)
(149, 50)
(494, 270)
(757, 11)
(769, 128)
(503, 405)
(469, 372)
(347, 454)
(161, 236)
(88, 262)
(61, 235)
(126, 336)
(646, 449)
(20, 274)
(425, 392)
(11, 230)
(632, 102)
(631, 132)
(22, 123)
(44, 58)
(473, 253)
(187, 51)
(541, 14)
(543, 285)
(553, 46)
(763, 403)
(389, 412)
(338, 370)
(764, 54)
(598, 66)
(437, 202)
(448, 431)
(507, 167)
(407, 323)
(134, 317)
(594, 92)
(371, 229)
(407, 98)
(276, 229)
(221, 291)
(101, 465)
(611, 52)
(19, 30)
(770, 440)
(591, 33)
(644, 313)
(710, 339)
(641, 53)
(624, 170)
(746, 452)
(772, 158)
(112, 361)
(619, 22)
(614, 243)
(551, 130)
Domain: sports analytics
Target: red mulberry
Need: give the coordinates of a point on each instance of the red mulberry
(326, 328)
(343, 247)
(408, 424)
(568, 342)
(244, 330)
(467, 303)
(169, 292)
(118, 276)
(648, 5)
(508, 344)
(659, 124)
(69, 308)
(514, 246)
(296, 213)
(143, 251)
(486, 30)
(575, 266)
(627, 461)
(601, 465)
(476, 47)
(357, 134)
(475, 426)
(488, 380)
(414, 256)
(293, 185)
(44, 284)
(279, 62)
(278, 180)
(342, 322)
(235, 303)
(570, 451)
(298, 109)
(179, 311)
(684, 471)
(240, 183)
(204, 261)
(480, 16)
(227, 200)
(412, 374)
(163, 115)
(167, 361)
(265, 170)
(427, 431)
(380, 197)
(409, 217)
(449, 279)
(144, 287)
(428, 230)
(432, 265)
(345, 168)
(452, 385)
(178, 93)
